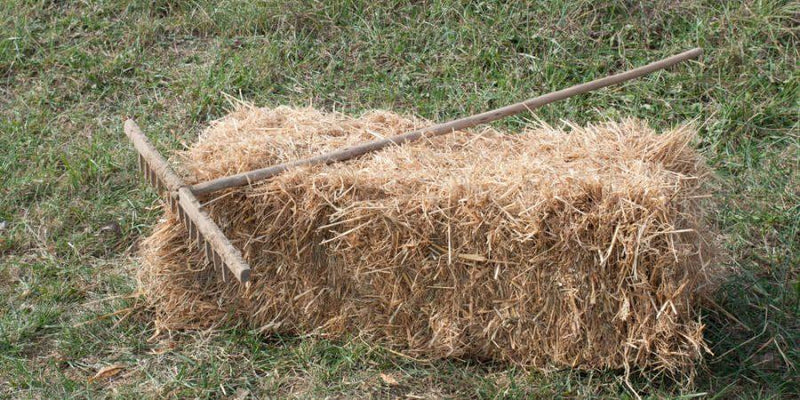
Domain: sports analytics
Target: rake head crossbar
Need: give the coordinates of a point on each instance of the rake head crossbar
(206, 234)
(203, 231)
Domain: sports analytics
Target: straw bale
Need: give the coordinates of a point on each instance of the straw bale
(578, 247)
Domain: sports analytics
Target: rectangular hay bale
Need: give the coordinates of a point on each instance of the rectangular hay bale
(546, 248)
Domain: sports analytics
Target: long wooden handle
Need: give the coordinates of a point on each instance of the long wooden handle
(246, 178)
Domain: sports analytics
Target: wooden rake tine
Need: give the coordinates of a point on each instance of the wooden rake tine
(203, 231)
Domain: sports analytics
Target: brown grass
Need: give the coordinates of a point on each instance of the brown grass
(549, 248)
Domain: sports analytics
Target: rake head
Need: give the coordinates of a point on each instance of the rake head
(203, 231)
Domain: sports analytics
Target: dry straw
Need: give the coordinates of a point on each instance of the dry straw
(547, 248)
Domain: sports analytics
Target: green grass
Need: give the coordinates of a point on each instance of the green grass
(72, 210)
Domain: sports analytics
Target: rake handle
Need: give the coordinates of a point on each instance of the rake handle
(247, 178)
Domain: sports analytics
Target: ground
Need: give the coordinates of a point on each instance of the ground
(72, 210)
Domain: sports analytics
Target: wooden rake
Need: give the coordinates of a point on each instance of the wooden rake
(204, 233)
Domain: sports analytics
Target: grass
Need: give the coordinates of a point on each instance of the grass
(72, 209)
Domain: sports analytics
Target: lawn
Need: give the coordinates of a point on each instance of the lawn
(73, 210)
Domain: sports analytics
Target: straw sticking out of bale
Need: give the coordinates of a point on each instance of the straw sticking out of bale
(545, 249)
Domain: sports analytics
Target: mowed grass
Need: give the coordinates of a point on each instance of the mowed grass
(72, 209)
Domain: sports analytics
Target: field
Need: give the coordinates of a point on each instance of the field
(73, 210)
